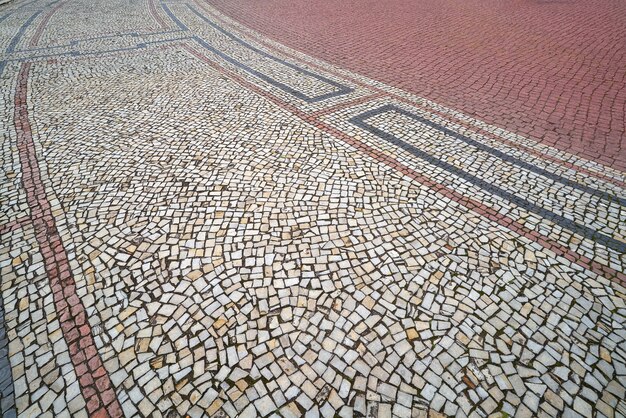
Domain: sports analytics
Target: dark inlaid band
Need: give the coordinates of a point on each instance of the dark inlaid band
(340, 89)
(566, 223)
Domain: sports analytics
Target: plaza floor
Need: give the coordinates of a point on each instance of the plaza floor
(206, 215)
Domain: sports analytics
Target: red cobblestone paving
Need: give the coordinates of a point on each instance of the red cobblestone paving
(550, 70)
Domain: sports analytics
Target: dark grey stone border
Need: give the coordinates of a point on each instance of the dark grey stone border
(341, 89)
(566, 223)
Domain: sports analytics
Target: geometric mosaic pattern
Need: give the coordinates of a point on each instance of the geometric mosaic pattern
(199, 221)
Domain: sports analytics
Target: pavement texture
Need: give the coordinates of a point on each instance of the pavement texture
(198, 220)
(551, 70)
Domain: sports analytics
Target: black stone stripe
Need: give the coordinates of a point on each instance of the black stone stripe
(340, 88)
(172, 16)
(16, 39)
(562, 221)
(497, 153)
(20, 33)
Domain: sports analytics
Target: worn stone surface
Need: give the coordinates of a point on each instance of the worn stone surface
(199, 221)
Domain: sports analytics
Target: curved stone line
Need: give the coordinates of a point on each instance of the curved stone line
(42, 25)
(93, 378)
(14, 41)
(583, 230)
(342, 89)
(498, 154)
(20, 32)
(7, 389)
(480, 208)
(6, 15)
(172, 16)
(456, 117)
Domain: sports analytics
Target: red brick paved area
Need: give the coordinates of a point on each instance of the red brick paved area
(550, 70)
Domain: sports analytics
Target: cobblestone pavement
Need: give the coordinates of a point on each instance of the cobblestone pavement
(551, 70)
(197, 220)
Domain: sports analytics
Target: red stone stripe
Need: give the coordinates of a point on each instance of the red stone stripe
(456, 120)
(468, 202)
(42, 25)
(93, 378)
(156, 16)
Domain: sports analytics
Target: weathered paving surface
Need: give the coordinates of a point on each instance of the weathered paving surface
(199, 221)
(552, 70)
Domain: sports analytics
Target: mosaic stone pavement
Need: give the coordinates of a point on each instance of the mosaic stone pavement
(199, 221)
